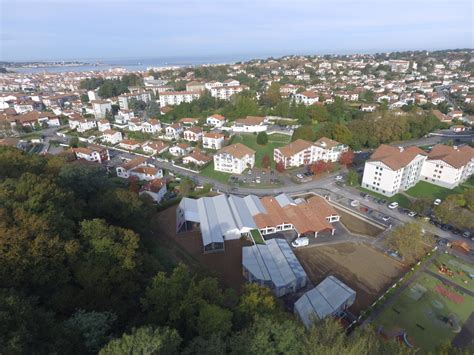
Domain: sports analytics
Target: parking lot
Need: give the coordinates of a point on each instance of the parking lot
(257, 177)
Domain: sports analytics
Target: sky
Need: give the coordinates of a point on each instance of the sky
(101, 29)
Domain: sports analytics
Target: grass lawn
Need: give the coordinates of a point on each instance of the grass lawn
(426, 190)
(250, 140)
(217, 175)
(421, 318)
(402, 200)
(460, 270)
(257, 237)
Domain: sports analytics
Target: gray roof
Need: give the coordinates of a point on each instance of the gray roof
(219, 214)
(284, 200)
(254, 205)
(273, 261)
(324, 300)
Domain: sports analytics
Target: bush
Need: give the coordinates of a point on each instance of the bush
(262, 138)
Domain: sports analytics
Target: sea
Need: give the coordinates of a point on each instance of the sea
(139, 64)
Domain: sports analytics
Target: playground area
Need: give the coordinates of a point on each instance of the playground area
(426, 314)
(455, 270)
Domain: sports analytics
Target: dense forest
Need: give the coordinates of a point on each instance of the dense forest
(77, 276)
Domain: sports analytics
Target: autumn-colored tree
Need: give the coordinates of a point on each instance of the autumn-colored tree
(280, 167)
(134, 186)
(321, 166)
(266, 161)
(347, 158)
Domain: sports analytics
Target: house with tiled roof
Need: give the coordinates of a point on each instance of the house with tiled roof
(197, 158)
(301, 152)
(138, 167)
(215, 120)
(306, 97)
(393, 169)
(92, 153)
(448, 166)
(173, 131)
(193, 134)
(234, 159)
(155, 188)
(211, 140)
(250, 124)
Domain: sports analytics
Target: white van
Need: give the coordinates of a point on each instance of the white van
(300, 242)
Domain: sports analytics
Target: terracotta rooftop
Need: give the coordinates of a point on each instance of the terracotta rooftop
(294, 147)
(250, 120)
(395, 158)
(456, 157)
(237, 150)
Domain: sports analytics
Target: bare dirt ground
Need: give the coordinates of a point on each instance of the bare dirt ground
(362, 268)
(187, 248)
(358, 225)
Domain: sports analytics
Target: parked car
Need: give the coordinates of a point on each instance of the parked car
(355, 203)
(300, 242)
(339, 178)
(411, 214)
(393, 205)
(300, 176)
(386, 218)
(466, 234)
(437, 202)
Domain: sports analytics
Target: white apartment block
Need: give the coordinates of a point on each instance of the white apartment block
(124, 99)
(234, 159)
(448, 166)
(103, 125)
(178, 97)
(392, 169)
(101, 108)
(225, 92)
(82, 124)
(301, 152)
(213, 141)
(111, 136)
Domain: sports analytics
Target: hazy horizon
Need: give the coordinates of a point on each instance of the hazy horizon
(54, 30)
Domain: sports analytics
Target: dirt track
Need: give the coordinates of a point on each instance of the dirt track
(363, 269)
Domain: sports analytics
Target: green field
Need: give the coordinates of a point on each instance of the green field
(402, 200)
(426, 190)
(419, 311)
(217, 175)
(250, 140)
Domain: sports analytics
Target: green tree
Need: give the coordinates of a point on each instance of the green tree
(303, 132)
(408, 239)
(92, 327)
(213, 319)
(145, 341)
(352, 177)
(272, 96)
(262, 138)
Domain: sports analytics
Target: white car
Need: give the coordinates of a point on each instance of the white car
(411, 214)
(437, 202)
(386, 218)
(339, 178)
(300, 242)
(354, 203)
(393, 205)
(300, 176)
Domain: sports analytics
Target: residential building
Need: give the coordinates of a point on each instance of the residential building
(448, 166)
(82, 124)
(155, 147)
(111, 136)
(100, 108)
(193, 134)
(129, 144)
(151, 126)
(234, 159)
(250, 124)
(197, 158)
(399, 66)
(95, 154)
(195, 86)
(177, 97)
(155, 188)
(173, 131)
(216, 120)
(393, 169)
(306, 97)
(139, 168)
(180, 149)
(212, 140)
(301, 152)
(103, 125)
(226, 92)
(124, 99)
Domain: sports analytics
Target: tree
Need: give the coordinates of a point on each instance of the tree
(303, 132)
(266, 161)
(422, 206)
(74, 142)
(256, 301)
(186, 186)
(262, 138)
(213, 319)
(272, 96)
(93, 327)
(84, 98)
(347, 158)
(408, 240)
(318, 113)
(145, 340)
(352, 177)
(321, 166)
(280, 167)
